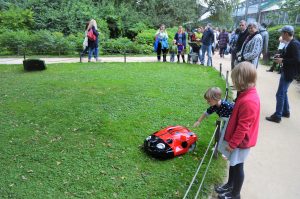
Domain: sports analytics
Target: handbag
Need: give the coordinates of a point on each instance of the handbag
(91, 35)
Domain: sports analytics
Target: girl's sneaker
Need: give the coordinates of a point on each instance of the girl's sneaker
(223, 189)
(228, 195)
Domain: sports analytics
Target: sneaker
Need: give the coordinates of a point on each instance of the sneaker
(228, 195)
(287, 115)
(223, 189)
(273, 118)
(270, 70)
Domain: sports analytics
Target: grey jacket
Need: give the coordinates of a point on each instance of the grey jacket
(265, 36)
(252, 50)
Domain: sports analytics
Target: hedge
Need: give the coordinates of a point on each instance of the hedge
(274, 35)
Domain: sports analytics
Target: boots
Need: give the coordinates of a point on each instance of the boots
(164, 58)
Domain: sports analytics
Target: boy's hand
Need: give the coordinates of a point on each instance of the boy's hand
(196, 124)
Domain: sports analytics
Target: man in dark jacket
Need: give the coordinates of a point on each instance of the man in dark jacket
(290, 60)
(242, 37)
(207, 40)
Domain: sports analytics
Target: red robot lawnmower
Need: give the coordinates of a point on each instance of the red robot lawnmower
(170, 142)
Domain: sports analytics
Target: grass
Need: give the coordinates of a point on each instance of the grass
(75, 130)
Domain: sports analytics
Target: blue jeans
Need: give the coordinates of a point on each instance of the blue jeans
(172, 57)
(205, 48)
(93, 51)
(282, 102)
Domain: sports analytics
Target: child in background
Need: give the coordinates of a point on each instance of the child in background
(221, 107)
(173, 51)
(242, 129)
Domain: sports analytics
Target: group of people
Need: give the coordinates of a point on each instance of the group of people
(240, 129)
(241, 119)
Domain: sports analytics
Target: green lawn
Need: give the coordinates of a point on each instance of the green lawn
(76, 130)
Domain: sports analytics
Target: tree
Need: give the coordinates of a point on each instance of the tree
(292, 7)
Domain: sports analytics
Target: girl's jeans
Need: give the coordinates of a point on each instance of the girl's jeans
(93, 51)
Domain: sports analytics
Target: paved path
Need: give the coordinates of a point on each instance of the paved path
(272, 170)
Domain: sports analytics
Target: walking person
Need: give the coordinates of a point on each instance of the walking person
(180, 38)
(242, 129)
(239, 43)
(161, 43)
(223, 41)
(93, 40)
(85, 45)
(290, 60)
(252, 46)
(207, 41)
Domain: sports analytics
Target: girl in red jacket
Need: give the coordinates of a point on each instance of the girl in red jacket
(242, 130)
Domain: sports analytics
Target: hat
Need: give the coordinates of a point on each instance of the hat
(287, 28)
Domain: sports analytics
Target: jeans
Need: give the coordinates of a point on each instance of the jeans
(282, 102)
(172, 57)
(205, 48)
(93, 51)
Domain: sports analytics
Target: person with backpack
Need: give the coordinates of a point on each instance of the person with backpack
(92, 35)
(265, 36)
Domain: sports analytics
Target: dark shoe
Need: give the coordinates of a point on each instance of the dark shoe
(228, 195)
(270, 70)
(273, 118)
(223, 188)
(287, 115)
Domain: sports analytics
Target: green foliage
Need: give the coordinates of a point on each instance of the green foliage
(74, 130)
(14, 42)
(292, 7)
(16, 18)
(274, 36)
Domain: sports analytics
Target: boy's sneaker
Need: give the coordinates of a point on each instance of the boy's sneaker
(223, 189)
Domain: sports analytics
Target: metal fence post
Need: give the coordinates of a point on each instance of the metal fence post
(124, 56)
(217, 137)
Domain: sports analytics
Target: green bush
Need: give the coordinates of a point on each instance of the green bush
(13, 42)
(274, 36)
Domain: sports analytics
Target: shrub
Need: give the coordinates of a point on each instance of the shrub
(274, 36)
(13, 42)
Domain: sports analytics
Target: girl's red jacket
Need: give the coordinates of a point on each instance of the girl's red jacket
(242, 129)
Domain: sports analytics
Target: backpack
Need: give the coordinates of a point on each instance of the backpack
(91, 35)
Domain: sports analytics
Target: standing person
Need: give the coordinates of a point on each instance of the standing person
(242, 129)
(232, 42)
(280, 47)
(207, 40)
(290, 61)
(161, 43)
(223, 41)
(93, 42)
(85, 41)
(198, 39)
(173, 51)
(252, 46)
(180, 38)
(265, 36)
(239, 43)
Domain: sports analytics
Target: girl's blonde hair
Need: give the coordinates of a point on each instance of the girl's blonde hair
(92, 23)
(244, 76)
(214, 93)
